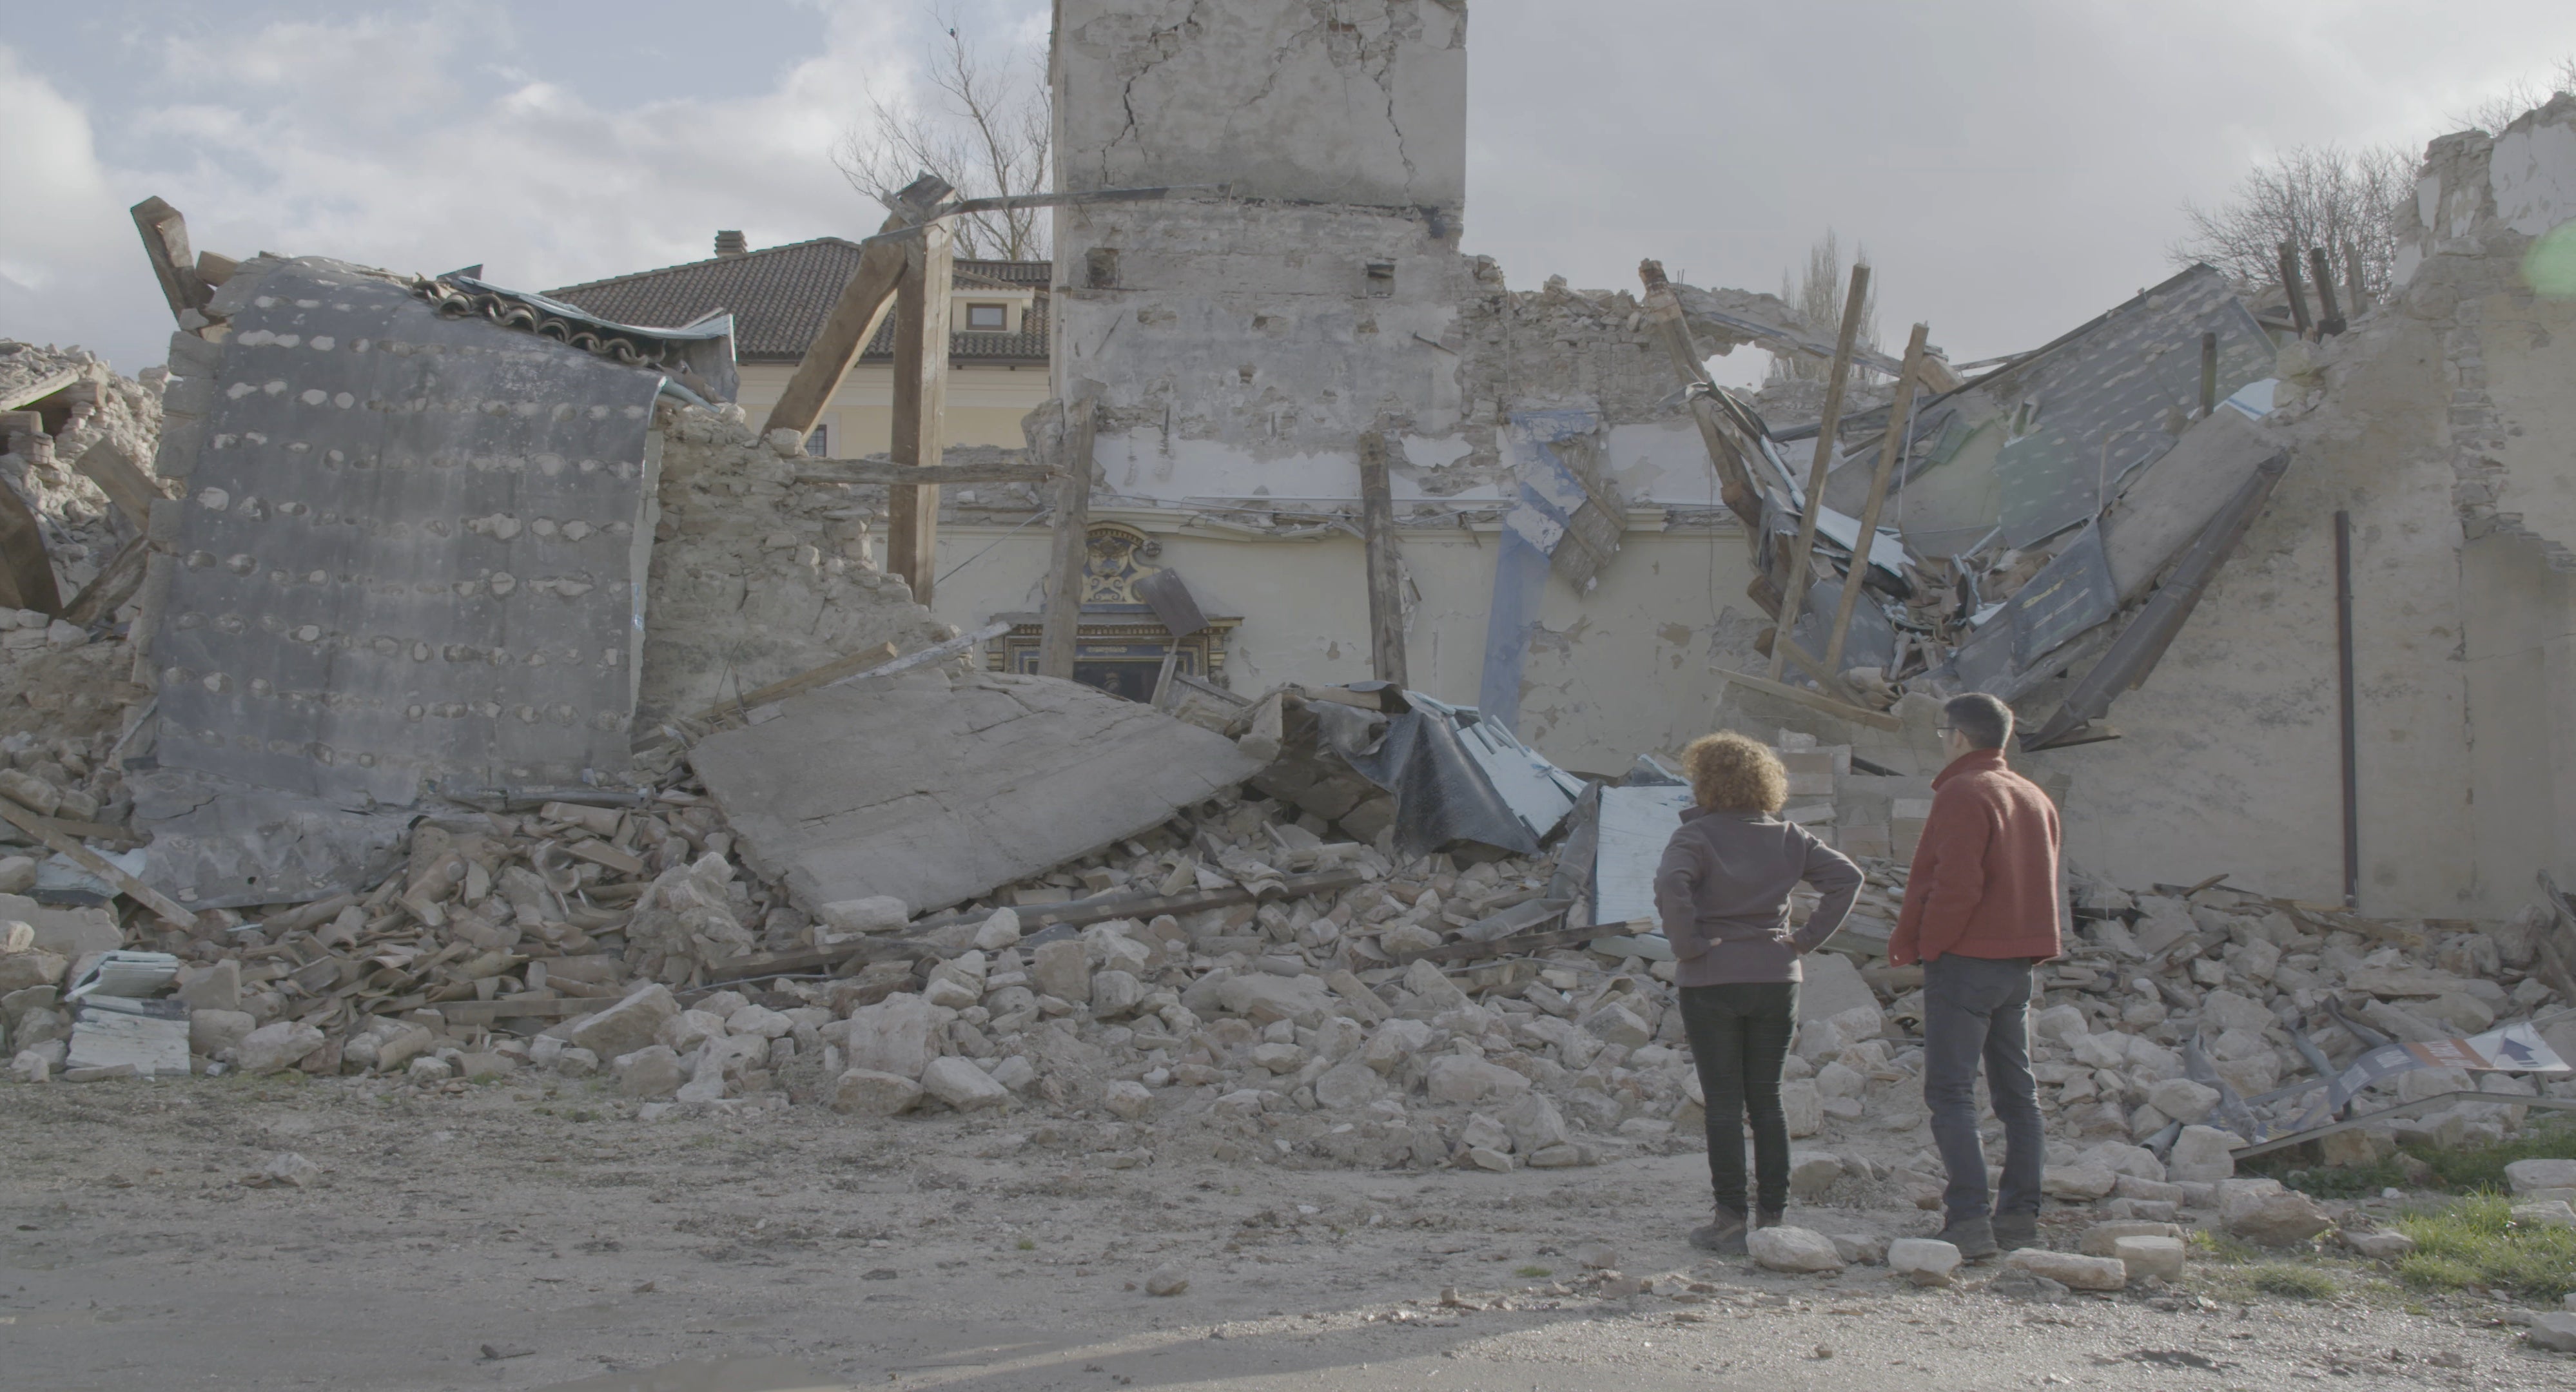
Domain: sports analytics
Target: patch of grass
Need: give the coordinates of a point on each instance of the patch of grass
(2210, 1246)
(2295, 1282)
(2457, 1170)
(2476, 1243)
(1030, 1244)
(1532, 1272)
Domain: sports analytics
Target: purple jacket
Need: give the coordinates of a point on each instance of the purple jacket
(1723, 894)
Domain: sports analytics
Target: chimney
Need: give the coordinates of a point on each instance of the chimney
(730, 243)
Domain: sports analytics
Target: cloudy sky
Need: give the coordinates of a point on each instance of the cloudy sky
(2012, 168)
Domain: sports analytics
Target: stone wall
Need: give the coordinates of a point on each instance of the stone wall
(757, 577)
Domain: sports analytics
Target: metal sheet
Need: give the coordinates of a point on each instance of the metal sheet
(1169, 597)
(412, 548)
(1636, 823)
(2071, 594)
(2101, 401)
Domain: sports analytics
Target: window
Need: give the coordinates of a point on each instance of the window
(819, 444)
(988, 316)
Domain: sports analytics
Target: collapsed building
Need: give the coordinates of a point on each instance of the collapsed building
(434, 681)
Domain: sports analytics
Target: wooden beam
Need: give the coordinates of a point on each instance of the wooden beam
(1891, 448)
(1385, 583)
(1664, 313)
(26, 570)
(1796, 584)
(114, 584)
(45, 830)
(29, 393)
(165, 244)
(843, 337)
(803, 682)
(920, 404)
(1062, 626)
(125, 485)
(1813, 700)
(886, 471)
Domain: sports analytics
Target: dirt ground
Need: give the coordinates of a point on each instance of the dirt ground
(521, 1237)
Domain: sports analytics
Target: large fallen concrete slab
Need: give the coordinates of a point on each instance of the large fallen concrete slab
(935, 791)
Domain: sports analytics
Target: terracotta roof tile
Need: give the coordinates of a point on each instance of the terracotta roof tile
(780, 296)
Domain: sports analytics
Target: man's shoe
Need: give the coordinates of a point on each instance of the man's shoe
(1974, 1237)
(1725, 1237)
(2014, 1231)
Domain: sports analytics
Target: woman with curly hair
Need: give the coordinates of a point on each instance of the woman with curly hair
(1723, 895)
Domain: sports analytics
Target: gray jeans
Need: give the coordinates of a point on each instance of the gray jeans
(1977, 1008)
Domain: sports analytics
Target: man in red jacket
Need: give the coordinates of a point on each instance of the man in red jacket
(1981, 910)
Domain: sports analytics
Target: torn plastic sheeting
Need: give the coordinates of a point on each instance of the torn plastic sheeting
(1455, 776)
(2514, 1048)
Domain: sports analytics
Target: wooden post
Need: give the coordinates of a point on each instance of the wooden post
(843, 337)
(2298, 297)
(1063, 621)
(1891, 449)
(920, 400)
(165, 242)
(1801, 564)
(2208, 375)
(1664, 312)
(1385, 597)
(2330, 320)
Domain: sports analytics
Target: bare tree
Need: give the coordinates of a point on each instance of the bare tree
(2312, 196)
(1818, 297)
(2499, 111)
(986, 128)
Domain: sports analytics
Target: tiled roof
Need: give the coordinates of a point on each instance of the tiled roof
(779, 297)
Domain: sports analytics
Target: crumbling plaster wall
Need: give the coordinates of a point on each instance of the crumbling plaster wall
(1617, 672)
(2229, 757)
(2444, 423)
(756, 577)
(1321, 101)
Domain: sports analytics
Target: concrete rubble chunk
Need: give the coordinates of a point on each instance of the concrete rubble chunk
(2264, 1213)
(1166, 1280)
(274, 1048)
(649, 1073)
(149, 1047)
(2378, 1244)
(2554, 1331)
(1797, 1250)
(626, 1026)
(891, 1036)
(962, 1085)
(2070, 1269)
(1926, 1261)
(872, 913)
(2098, 1239)
(2532, 1176)
(934, 791)
(211, 1033)
(1128, 1099)
(2203, 1154)
(869, 1093)
(2145, 1256)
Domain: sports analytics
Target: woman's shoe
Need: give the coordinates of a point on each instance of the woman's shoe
(1768, 1218)
(1725, 1237)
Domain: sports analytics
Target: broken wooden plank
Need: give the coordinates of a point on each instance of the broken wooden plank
(1796, 588)
(108, 591)
(1385, 578)
(125, 485)
(1664, 314)
(882, 471)
(824, 675)
(165, 244)
(1060, 630)
(1814, 700)
(482, 1012)
(920, 407)
(1521, 944)
(1891, 448)
(863, 302)
(46, 830)
(26, 570)
(1078, 914)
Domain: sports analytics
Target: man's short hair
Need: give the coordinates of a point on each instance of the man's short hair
(1984, 721)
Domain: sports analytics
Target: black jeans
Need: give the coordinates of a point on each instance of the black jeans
(1977, 1010)
(1739, 1037)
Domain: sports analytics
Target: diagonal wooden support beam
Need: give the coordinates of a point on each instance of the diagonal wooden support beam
(1802, 562)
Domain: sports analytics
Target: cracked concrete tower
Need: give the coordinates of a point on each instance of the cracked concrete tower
(1239, 347)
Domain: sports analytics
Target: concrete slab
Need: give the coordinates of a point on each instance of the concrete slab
(935, 791)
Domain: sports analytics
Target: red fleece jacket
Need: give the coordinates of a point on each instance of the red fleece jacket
(1984, 882)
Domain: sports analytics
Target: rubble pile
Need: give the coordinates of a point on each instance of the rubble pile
(56, 407)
